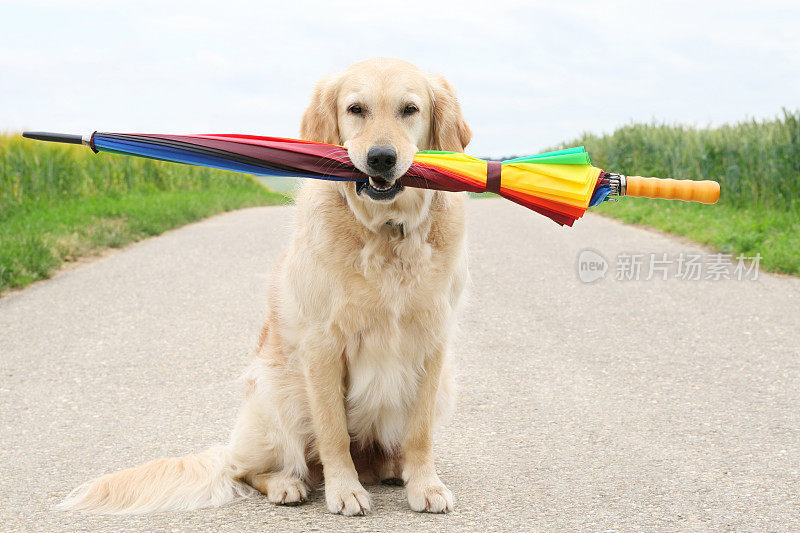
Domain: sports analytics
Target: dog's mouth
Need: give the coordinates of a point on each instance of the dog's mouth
(379, 189)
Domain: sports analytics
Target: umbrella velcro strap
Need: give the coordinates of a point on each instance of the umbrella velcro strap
(493, 172)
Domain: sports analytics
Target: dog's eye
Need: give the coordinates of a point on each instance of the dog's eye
(355, 109)
(410, 109)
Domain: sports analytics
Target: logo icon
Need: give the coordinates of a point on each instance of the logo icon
(591, 266)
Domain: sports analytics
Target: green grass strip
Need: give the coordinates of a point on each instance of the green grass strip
(38, 239)
(60, 203)
(773, 233)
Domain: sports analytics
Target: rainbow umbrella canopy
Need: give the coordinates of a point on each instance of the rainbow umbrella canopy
(561, 185)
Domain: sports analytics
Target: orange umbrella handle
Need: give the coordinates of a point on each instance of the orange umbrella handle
(706, 192)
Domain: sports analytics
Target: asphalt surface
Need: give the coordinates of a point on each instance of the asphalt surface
(616, 405)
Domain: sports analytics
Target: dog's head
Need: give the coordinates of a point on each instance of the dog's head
(384, 111)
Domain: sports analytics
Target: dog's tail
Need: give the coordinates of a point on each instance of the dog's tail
(181, 483)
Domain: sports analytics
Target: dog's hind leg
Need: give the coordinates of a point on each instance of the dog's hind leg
(281, 488)
(283, 482)
(272, 455)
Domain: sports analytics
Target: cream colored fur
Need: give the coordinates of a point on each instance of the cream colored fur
(352, 366)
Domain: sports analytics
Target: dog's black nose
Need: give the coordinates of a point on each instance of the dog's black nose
(381, 159)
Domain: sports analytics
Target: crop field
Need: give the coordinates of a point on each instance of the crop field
(756, 163)
(60, 202)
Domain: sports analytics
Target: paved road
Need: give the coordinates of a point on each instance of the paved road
(616, 405)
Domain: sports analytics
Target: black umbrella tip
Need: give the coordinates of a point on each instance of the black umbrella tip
(53, 137)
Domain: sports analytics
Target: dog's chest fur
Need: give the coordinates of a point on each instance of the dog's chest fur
(389, 295)
(387, 346)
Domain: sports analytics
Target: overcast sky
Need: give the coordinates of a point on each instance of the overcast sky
(529, 74)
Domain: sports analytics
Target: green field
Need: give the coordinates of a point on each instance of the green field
(59, 203)
(756, 163)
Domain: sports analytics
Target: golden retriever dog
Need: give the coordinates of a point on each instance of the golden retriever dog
(351, 372)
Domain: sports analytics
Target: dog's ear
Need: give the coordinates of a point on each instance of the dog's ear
(319, 122)
(448, 128)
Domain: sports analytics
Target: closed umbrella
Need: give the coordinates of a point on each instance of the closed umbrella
(561, 185)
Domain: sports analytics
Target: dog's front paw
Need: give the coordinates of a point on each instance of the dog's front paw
(347, 497)
(429, 496)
